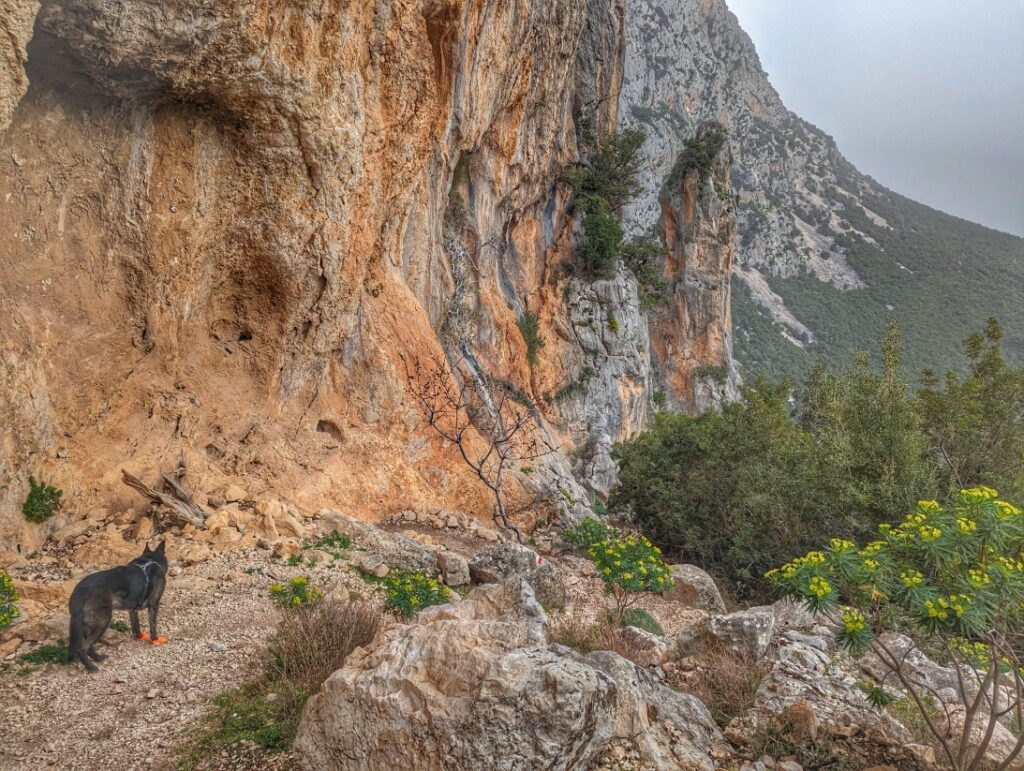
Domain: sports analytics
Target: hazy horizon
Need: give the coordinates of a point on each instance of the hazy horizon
(926, 96)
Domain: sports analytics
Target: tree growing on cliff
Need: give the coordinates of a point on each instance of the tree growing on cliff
(484, 418)
(606, 180)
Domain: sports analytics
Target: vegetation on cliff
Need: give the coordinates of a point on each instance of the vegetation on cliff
(604, 183)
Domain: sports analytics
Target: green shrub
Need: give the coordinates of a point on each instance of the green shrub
(8, 601)
(587, 533)
(409, 593)
(957, 574)
(629, 565)
(742, 489)
(120, 626)
(731, 490)
(529, 327)
(297, 593)
(613, 168)
(645, 258)
(699, 153)
(42, 501)
(613, 325)
(974, 423)
(641, 619)
(333, 543)
(598, 253)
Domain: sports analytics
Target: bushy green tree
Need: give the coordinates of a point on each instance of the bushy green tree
(732, 491)
(602, 240)
(975, 424)
(604, 182)
(645, 258)
(612, 170)
(957, 574)
(871, 447)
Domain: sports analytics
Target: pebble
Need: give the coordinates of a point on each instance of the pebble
(218, 647)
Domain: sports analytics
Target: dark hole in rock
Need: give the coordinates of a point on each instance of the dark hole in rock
(331, 429)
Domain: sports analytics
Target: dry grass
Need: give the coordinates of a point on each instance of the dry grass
(725, 681)
(309, 643)
(587, 637)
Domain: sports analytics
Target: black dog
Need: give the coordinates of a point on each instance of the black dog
(137, 585)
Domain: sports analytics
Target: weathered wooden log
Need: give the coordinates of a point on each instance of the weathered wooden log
(180, 504)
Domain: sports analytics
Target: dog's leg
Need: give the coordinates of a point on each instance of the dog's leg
(86, 663)
(137, 633)
(157, 639)
(94, 655)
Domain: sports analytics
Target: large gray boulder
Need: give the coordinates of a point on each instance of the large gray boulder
(512, 560)
(804, 685)
(694, 588)
(393, 549)
(746, 632)
(474, 685)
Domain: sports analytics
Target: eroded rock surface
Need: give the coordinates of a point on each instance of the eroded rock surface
(474, 685)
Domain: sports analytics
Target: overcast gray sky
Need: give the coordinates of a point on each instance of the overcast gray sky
(926, 96)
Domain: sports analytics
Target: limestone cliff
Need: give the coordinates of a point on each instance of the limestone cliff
(688, 62)
(692, 340)
(227, 234)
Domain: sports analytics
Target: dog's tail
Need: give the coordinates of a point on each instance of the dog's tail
(75, 631)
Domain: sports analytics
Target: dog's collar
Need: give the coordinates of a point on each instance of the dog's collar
(143, 567)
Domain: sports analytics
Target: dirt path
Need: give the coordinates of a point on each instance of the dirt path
(131, 714)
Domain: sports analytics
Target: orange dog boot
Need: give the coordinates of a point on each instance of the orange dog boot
(159, 640)
(143, 636)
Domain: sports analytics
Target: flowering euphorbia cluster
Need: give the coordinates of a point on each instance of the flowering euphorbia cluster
(957, 573)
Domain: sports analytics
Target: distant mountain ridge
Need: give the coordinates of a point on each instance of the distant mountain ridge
(827, 256)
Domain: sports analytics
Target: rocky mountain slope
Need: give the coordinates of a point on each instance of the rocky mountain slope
(827, 256)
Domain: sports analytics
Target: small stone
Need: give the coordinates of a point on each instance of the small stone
(152, 693)
(284, 548)
(174, 570)
(454, 568)
(143, 528)
(218, 647)
(234, 493)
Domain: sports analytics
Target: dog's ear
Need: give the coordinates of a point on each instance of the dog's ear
(160, 549)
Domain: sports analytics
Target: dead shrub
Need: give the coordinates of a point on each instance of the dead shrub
(724, 680)
(262, 715)
(587, 637)
(313, 641)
